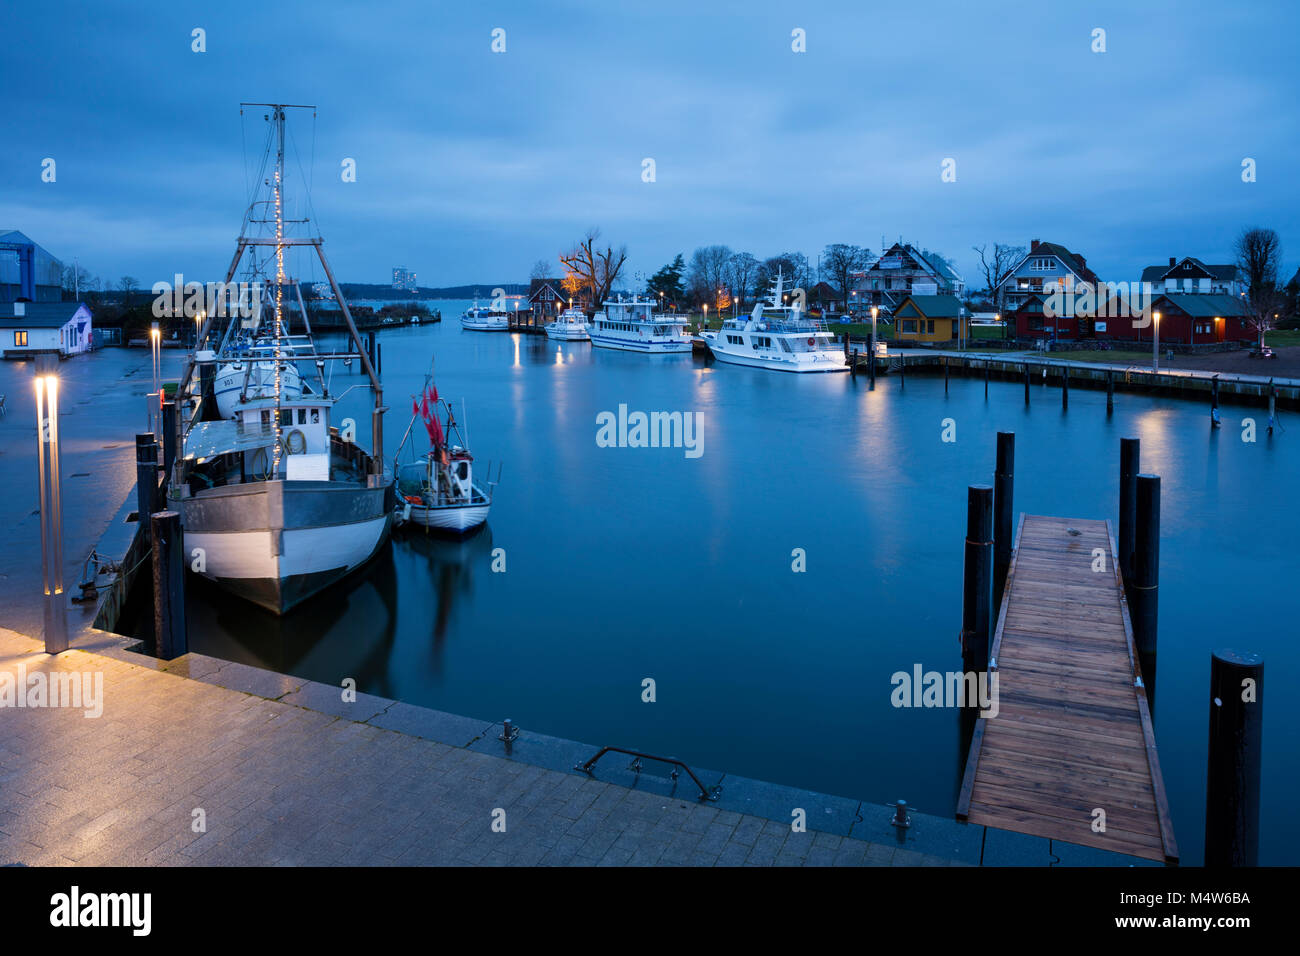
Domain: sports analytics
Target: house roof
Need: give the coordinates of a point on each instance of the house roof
(42, 315)
(933, 306)
(1070, 260)
(1157, 273)
(931, 262)
(1203, 306)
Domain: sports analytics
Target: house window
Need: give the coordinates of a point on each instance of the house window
(20, 339)
(907, 326)
(1041, 265)
(929, 326)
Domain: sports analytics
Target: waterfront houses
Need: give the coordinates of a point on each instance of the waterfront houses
(901, 271)
(1047, 264)
(1192, 276)
(930, 318)
(546, 299)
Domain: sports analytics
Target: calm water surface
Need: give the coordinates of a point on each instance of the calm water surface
(630, 563)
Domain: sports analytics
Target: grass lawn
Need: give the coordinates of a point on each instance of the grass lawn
(1279, 340)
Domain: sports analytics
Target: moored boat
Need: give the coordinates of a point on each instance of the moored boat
(634, 326)
(777, 335)
(569, 326)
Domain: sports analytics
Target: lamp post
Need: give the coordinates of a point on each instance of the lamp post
(155, 345)
(706, 315)
(875, 311)
(1155, 343)
(51, 505)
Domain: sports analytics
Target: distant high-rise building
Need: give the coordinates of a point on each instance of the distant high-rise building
(402, 279)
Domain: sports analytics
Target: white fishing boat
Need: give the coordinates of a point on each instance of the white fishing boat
(480, 319)
(277, 501)
(777, 335)
(241, 380)
(570, 326)
(439, 489)
(635, 327)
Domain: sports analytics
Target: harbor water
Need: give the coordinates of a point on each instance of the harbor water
(624, 565)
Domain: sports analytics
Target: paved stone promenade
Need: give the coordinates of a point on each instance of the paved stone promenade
(279, 781)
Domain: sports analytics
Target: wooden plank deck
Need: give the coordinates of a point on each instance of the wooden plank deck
(1073, 732)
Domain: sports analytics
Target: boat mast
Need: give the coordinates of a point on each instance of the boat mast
(279, 271)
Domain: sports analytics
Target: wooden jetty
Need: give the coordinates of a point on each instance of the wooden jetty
(1072, 735)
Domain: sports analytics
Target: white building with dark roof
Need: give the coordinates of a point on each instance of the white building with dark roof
(30, 328)
(1191, 276)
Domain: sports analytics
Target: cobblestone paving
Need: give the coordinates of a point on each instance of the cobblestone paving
(279, 783)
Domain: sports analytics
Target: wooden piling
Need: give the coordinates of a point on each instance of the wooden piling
(1065, 387)
(1026, 383)
(169, 625)
(945, 375)
(853, 363)
(1144, 589)
(987, 364)
(871, 359)
(1272, 405)
(1233, 768)
(168, 435)
(1003, 500)
(146, 479)
(902, 372)
(977, 579)
(1130, 453)
(1110, 392)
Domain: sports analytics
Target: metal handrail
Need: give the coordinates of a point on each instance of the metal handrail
(706, 793)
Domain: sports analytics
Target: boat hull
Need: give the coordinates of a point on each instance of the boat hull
(647, 347)
(827, 361)
(278, 543)
(228, 384)
(567, 335)
(455, 518)
(478, 326)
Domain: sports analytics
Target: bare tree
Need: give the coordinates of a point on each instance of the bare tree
(997, 267)
(793, 266)
(542, 270)
(742, 269)
(841, 261)
(1259, 259)
(707, 274)
(128, 285)
(590, 268)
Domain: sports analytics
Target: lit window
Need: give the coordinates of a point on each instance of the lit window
(20, 339)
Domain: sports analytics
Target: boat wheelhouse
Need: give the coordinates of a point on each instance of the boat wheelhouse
(634, 326)
(777, 335)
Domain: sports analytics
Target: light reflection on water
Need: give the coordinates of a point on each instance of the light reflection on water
(631, 563)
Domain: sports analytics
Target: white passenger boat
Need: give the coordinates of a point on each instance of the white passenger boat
(277, 501)
(439, 489)
(570, 326)
(479, 319)
(778, 336)
(634, 327)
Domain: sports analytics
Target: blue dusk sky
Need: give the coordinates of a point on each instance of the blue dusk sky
(471, 165)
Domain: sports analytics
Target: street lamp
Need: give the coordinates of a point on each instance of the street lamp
(51, 505)
(706, 315)
(874, 312)
(1155, 343)
(155, 344)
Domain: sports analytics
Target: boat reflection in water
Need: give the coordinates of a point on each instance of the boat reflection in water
(357, 628)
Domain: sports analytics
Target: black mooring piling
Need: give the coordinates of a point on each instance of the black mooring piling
(1003, 502)
(1110, 392)
(146, 479)
(168, 435)
(945, 375)
(1026, 383)
(977, 579)
(169, 626)
(1144, 587)
(1233, 767)
(1065, 387)
(987, 364)
(1129, 458)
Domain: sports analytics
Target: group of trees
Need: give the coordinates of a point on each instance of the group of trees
(717, 275)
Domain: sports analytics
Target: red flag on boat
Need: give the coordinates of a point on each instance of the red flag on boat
(430, 410)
